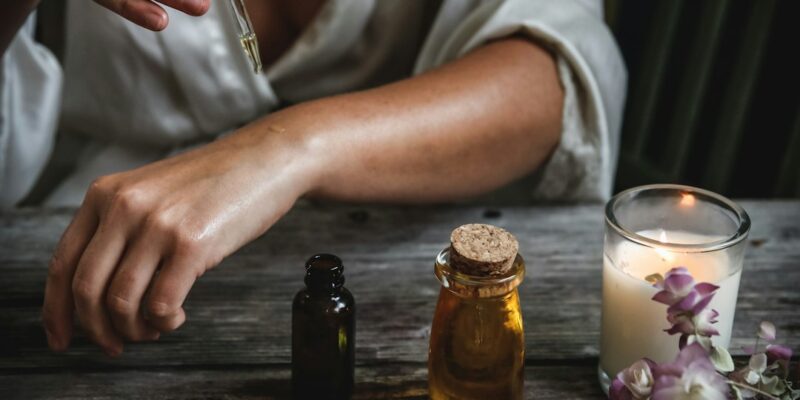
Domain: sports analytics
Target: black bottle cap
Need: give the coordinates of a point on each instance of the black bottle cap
(324, 272)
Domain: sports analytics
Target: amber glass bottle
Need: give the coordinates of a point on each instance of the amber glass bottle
(477, 345)
(323, 333)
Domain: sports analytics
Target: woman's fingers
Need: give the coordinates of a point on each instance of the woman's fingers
(191, 7)
(144, 13)
(89, 285)
(148, 14)
(58, 301)
(107, 261)
(168, 323)
(127, 289)
(169, 290)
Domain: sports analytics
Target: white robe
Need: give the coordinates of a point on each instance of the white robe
(136, 96)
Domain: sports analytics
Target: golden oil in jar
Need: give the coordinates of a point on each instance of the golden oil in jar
(477, 343)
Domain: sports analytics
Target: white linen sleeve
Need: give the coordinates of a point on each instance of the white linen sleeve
(591, 71)
(30, 97)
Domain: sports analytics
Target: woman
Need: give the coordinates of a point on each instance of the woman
(379, 101)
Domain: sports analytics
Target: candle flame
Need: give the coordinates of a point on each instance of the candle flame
(665, 255)
(687, 199)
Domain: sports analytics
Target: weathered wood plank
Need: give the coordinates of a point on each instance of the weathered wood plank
(239, 312)
(384, 381)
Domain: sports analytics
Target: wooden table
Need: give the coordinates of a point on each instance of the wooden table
(236, 342)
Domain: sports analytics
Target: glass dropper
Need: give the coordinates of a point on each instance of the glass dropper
(246, 34)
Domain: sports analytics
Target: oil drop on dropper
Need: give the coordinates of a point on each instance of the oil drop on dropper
(246, 34)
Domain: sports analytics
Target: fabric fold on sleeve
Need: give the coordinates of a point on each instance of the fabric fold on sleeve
(30, 98)
(591, 71)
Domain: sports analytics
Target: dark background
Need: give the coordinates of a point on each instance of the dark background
(713, 94)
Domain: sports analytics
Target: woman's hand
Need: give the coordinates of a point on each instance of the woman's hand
(150, 15)
(141, 238)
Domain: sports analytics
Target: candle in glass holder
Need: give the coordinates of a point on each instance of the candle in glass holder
(651, 230)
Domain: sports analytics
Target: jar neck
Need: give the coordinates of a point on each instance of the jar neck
(472, 286)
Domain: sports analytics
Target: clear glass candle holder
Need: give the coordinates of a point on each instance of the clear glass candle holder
(650, 230)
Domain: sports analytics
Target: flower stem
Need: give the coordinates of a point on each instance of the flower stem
(748, 387)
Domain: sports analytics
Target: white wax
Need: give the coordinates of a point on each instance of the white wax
(632, 323)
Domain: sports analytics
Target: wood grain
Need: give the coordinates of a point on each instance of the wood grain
(381, 381)
(239, 313)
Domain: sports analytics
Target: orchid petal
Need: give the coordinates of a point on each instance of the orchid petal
(690, 376)
(683, 326)
(638, 378)
(766, 330)
(702, 303)
(684, 304)
(776, 352)
(679, 283)
(618, 391)
(703, 322)
(665, 297)
(705, 288)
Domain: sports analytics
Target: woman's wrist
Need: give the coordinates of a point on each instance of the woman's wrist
(287, 148)
(298, 147)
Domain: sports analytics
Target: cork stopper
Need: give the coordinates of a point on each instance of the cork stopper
(482, 250)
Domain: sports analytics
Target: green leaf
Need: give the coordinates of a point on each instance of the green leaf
(794, 393)
(758, 362)
(721, 359)
(772, 385)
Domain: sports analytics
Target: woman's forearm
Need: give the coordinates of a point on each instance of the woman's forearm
(12, 16)
(463, 129)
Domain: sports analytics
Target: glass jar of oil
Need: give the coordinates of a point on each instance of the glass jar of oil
(477, 345)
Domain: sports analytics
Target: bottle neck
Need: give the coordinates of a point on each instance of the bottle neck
(324, 286)
(324, 274)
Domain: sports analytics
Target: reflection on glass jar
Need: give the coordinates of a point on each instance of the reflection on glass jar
(477, 346)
